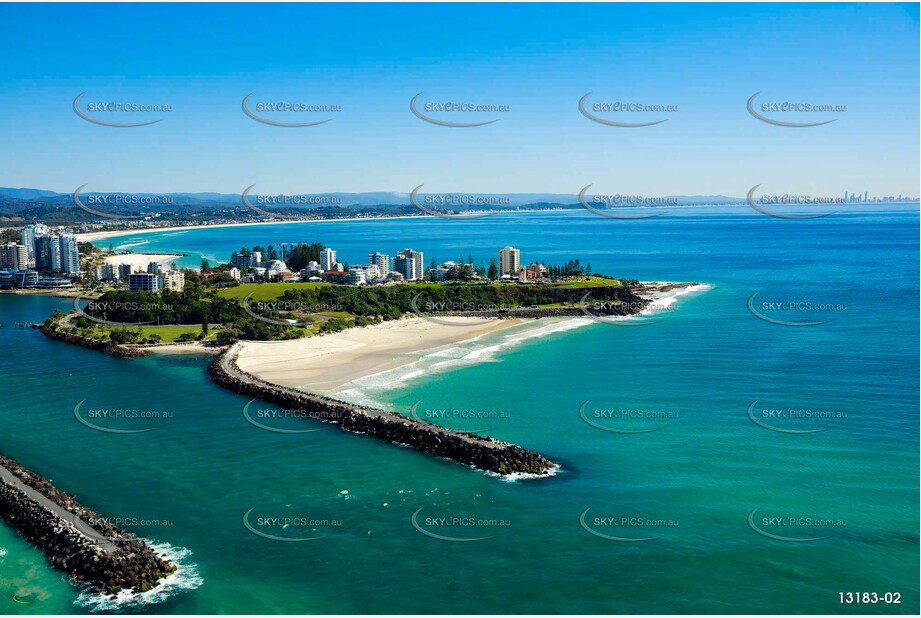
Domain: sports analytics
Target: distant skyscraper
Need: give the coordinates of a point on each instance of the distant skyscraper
(509, 261)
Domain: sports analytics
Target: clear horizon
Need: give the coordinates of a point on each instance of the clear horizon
(863, 57)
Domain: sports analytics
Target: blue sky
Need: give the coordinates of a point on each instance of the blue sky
(538, 59)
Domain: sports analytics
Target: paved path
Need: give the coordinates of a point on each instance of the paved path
(82, 527)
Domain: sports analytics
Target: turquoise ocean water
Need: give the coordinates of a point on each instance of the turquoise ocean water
(670, 498)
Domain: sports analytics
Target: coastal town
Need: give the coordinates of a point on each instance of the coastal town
(53, 258)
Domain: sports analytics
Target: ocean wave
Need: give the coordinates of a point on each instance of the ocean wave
(664, 303)
(2, 552)
(521, 476)
(482, 348)
(185, 578)
(128, 245)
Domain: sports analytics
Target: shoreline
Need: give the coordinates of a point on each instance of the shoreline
(139, 261)
(94, 236)
(322, 365)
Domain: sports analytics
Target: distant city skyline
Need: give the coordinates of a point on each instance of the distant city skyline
(532, 78)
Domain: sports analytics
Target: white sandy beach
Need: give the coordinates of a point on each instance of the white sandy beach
(94, 236)
(139, 261)
(322, 364)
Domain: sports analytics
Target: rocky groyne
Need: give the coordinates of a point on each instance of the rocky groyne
(467, 448)
(75, 539)
(113, 349)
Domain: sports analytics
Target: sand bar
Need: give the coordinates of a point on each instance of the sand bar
(320, 364)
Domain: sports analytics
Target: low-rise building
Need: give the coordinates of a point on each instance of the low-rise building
(22, 278)
(335, 276)
(173, 280)
(144, 282)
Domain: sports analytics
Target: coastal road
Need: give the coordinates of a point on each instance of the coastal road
(81, 526)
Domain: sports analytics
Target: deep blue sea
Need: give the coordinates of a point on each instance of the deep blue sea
(712, 461)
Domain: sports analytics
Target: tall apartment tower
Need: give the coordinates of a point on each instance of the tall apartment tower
(381, 261)
(48, 253)
(328, 259)
(13, 257)
(410, 264)
(509, 261)
(70, 254)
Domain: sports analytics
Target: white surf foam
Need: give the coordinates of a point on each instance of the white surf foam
(520, 476)
(128, 245)
(185, 578)
(483, 348)
(668, 301)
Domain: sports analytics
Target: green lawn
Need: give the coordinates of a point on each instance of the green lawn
(168, 333)
(263, 292)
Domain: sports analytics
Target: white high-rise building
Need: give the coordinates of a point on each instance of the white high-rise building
(328, 259)
(29, 233)
(410, 264)
(70, 254)
(381, 261)
(509, 261)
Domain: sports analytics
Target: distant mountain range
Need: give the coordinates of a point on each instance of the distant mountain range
(370, 199)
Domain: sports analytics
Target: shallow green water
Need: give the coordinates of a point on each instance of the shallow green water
(693, 481)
